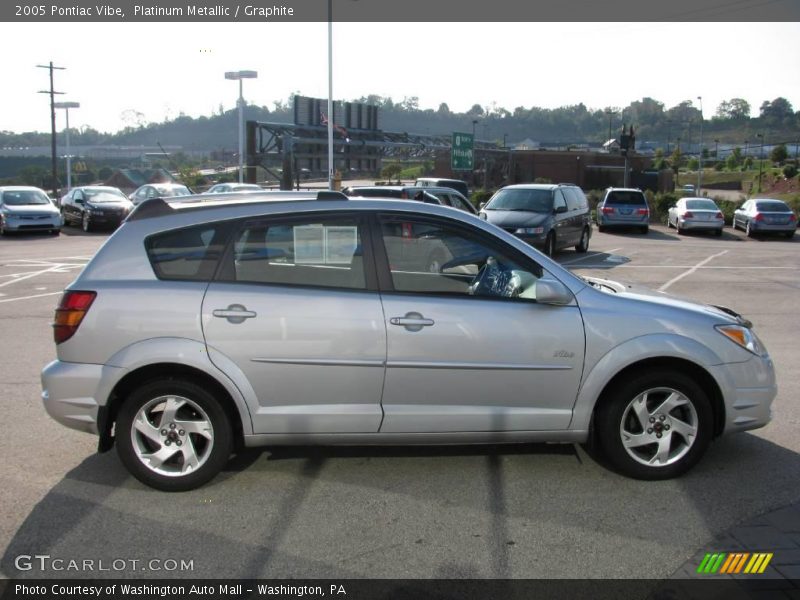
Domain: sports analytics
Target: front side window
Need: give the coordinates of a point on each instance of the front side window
(559, 202)
(428, 257)
(313, 251)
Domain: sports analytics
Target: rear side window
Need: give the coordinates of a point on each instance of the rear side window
(189, 254)
(624, 197)
(319, 252)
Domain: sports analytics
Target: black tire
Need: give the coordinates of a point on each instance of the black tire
(718, 233)
(214, 454)
(583, 244)
(614, 420)
(55, 231)
(747, 231)
(789, 234)
(550, 244)
(644, 230)
(86, 222)
(601, 228)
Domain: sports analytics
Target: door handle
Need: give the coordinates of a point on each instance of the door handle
(412, 321)
(235, 313)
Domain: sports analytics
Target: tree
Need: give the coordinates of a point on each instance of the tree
(777, 110)
(693, 164)
(475, 111)
(443, 109)
(675, 160)
(735, 108)
(779, 154)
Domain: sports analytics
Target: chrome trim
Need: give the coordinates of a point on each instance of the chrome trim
(401, 364)
(332, 362)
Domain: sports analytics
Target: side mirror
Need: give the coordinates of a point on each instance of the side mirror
(560, 209)
(481, 205)
(551, 291)
(78, 200)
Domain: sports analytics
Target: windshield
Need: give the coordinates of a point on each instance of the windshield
(773, 206)
(701, 205)
(104, 195)
(25, 197)
(537, 200)
(175, 190)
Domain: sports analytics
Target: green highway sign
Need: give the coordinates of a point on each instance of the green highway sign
(461, 153)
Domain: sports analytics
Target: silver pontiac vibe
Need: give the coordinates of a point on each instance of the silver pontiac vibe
(209, 323)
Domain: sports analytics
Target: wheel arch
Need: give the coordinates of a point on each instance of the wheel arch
(165, 371)
(704, 379)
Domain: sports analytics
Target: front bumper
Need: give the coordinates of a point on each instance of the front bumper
(19, 224)
(72, 393)
(749, 389)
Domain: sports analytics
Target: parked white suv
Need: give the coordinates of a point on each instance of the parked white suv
(203, 326)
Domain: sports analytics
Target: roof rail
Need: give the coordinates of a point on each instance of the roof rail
(331, 195)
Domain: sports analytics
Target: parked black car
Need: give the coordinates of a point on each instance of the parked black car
(94, 205)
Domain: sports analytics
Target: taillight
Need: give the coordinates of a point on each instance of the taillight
(688, 215)
(608, 210)
(70, 313)
(719, 215)
(642, 211)
(758, 217)
(792, 217)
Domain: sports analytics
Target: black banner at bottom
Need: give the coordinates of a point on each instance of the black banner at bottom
(385, 589)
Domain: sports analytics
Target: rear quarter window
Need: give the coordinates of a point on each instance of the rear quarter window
(189, 254)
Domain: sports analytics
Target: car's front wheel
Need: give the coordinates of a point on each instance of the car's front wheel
(583, 244)
(655, 425)
(173, 435)
(550, 244)
(86, 222)
(748, 231)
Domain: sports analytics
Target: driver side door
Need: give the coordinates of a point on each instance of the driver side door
(468, 347)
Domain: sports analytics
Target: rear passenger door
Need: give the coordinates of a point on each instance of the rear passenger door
(295, 309)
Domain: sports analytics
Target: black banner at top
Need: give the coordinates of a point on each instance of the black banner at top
(400, 11)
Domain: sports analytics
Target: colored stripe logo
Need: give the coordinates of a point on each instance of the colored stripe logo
(733, 563)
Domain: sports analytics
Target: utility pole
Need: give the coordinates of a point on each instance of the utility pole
(52, 92)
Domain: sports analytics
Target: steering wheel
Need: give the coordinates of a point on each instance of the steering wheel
(483, 283)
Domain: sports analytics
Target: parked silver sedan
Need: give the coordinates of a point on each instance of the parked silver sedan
(263, 320)
(763, 215)
(696, 214)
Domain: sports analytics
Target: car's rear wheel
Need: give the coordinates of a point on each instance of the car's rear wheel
(550, 244)
(645, 229)
(173, 435)
(789, 234)
(654, 425)
(583, 244)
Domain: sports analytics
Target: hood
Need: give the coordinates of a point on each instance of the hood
(645, 294)
(31, 209)
(515, 218)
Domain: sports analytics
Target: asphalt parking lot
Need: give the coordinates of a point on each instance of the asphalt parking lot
(520, 511)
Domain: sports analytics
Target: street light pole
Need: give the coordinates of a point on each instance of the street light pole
(330, 94)
(66, 106)
(760, 136)
(700, 170)
(239, 76)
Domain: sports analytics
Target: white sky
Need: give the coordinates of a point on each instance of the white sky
(163, 69)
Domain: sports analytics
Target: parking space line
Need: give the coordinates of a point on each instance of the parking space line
(576, 260)
(691, 270)
(29, 275)
(29, 297)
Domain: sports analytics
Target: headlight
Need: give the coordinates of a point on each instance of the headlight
(530, 230)
(742, 336)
